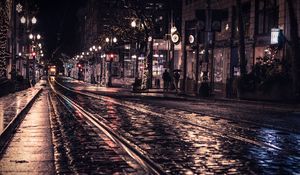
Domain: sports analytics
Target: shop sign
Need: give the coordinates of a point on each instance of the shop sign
(275, 36)
(175, 38)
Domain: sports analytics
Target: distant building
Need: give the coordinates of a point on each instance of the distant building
(95, 20)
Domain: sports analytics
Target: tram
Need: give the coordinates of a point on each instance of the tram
(52, 71)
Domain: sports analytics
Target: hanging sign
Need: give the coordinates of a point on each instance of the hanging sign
(275, 36)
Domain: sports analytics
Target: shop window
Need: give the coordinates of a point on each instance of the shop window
(267, 16)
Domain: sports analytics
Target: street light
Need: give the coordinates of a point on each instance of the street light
(173, 29)
(34, 37)
(33, 20)
(34, 47)
(23, 20)
(114, 40)
(133, 24)
(139, 26)
(93, 52)
(110, 41)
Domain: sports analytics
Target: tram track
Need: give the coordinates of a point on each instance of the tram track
(217, 131)
(254, 124)
(95, 101)
(132, 150)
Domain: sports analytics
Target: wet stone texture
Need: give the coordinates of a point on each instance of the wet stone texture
(79, 149)
(30, 151)
(12, 104)
(182, 148)
(215, 139)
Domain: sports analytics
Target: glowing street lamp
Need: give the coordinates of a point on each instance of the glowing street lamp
(115, 40)
(23, 20)
(133, 24)
(31, 36)
(33, 20)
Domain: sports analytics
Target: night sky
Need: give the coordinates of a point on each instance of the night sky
(57, 23)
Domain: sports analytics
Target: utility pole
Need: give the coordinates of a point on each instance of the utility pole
(28, 42)
(197, 57)
(204, 85)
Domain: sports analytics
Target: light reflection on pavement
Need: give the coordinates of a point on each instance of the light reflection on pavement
(182, 148)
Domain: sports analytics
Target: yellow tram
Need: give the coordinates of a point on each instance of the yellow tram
(52, 71)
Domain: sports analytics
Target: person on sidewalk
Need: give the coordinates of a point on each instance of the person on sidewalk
(176, 80)
(167, 78)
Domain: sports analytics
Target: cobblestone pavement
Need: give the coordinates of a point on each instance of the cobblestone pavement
(80, 148)
(283, 116)
(185, 142)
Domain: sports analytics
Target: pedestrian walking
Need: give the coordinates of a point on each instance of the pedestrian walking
(166, 78)
(176, 80)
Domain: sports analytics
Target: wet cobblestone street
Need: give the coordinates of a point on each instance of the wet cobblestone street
(79, 148)
(182, 142)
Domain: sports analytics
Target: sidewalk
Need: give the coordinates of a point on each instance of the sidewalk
(30, 150)
(13, 104)
(159, 93)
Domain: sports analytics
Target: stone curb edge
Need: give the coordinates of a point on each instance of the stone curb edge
(14, 124)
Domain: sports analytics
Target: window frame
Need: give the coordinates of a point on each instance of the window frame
(265, 14)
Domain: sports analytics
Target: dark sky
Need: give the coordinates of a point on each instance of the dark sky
(57, 23)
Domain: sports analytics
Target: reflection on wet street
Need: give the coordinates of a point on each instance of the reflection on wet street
(183, 142)
(12, 104)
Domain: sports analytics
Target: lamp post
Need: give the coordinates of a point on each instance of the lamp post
(110, 41)
(94, 51)
(34, 53)
(144, 32)
(134, 25)
(28, 22)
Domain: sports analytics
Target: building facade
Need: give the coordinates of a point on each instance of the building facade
(221, 40)
(98, 20)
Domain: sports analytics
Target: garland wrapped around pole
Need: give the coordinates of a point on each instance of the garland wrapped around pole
(4, 28)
